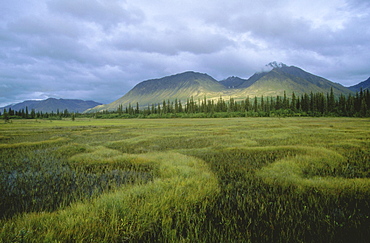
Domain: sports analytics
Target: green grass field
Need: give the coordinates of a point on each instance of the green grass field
(185, 180)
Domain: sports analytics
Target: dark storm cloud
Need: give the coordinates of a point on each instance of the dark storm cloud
(99, 49)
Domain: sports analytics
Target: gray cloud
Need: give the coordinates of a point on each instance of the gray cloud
(94, 49)
(106, 13)
(170, 42)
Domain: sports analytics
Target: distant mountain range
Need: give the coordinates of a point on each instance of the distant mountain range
(52, 104)
(232, 82)
(363, 85)
(281, 78)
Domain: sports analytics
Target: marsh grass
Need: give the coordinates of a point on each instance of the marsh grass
(133, 212)
(186, 180)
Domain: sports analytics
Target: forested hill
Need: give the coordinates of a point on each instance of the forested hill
(175, 87)
(281, 78)
(312, 104)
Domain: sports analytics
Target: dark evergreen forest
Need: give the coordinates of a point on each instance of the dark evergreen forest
(312, 104)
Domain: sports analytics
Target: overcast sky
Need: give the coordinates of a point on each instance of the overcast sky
(100, 49)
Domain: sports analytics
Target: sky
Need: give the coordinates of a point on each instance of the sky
(100, 49)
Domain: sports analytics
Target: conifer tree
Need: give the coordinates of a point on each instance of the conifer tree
(255, 104)
(267, 106)
(331, 100)
(293, 104)
(169, 106)
(363, 109)
(176, 107)
(6, 116)
(285, 104)
(247, 104)
(180, 107)
(33, 114)
(278, 104)
(120, 109)
(262, 104)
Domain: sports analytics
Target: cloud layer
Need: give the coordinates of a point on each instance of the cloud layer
(99, 49)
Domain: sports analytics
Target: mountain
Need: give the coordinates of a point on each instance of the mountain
(364, 85)
(179, 86)
(52, 104)
(290, 79)
(254, 78)
(278, 79)
(232, 82)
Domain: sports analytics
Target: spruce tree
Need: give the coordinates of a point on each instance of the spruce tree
(262, 104)
(33, 114)
(255, 104)
(293, 104)
(331, 100)
(176, 107)
(285, 101)
(6, 116)
(180, 107)
(363, 109)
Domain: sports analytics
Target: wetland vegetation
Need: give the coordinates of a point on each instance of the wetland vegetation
(185, 180)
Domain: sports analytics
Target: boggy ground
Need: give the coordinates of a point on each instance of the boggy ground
(186, 180)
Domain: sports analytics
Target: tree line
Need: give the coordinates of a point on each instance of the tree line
(26, 114)
(312, 104)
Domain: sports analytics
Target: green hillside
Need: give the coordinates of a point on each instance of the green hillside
(289, 79)
(180, 86)
(197, 85)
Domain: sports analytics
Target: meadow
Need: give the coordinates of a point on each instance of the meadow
(185, 180)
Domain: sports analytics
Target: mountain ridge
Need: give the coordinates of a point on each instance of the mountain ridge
(362, 85)
(278, 80)
(53, 104)
(232, 82)
(178, 86)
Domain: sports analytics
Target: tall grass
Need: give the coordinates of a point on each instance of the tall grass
(319, 168)
(276, 208)
(186, 180)
(164, 209)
